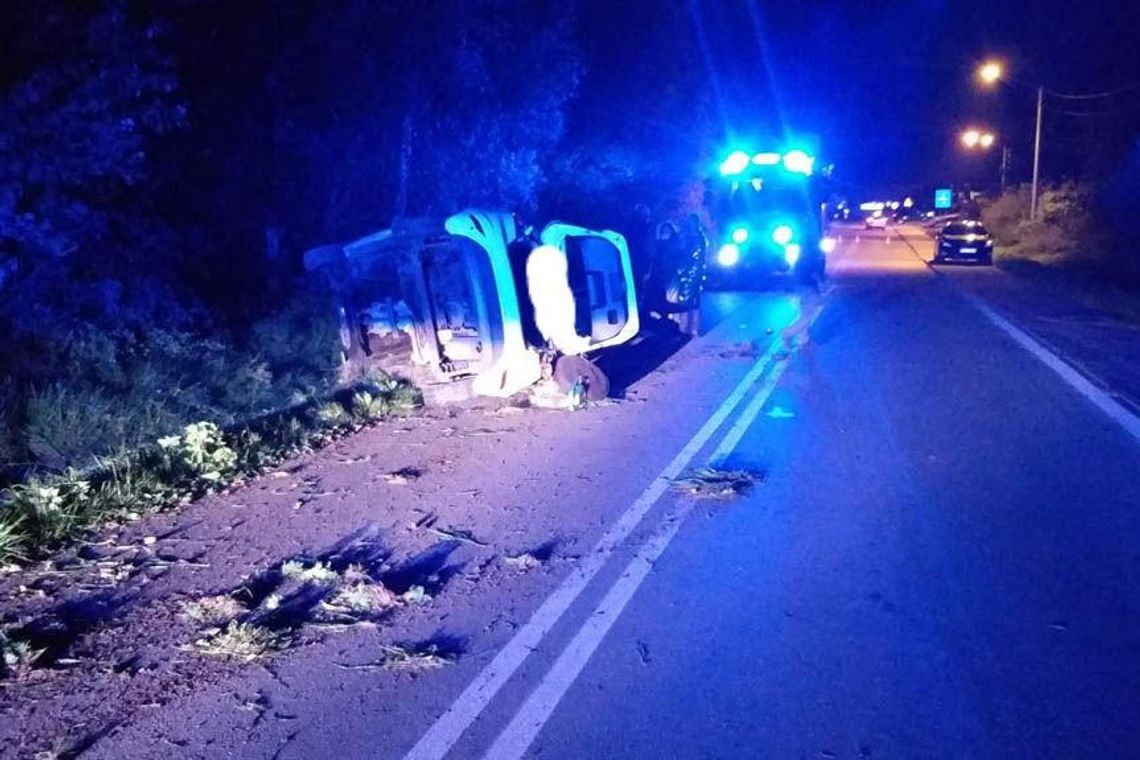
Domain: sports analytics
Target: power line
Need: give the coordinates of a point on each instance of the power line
(1095, 95)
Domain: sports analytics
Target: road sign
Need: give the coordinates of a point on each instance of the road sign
(943, 198)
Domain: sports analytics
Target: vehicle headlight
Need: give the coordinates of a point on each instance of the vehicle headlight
(740, 235)
(827, 245)
(728, 255)
(782, 235)
(792, 254)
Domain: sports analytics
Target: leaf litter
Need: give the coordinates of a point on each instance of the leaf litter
(716, 483)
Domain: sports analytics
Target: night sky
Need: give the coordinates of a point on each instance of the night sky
(887, 86)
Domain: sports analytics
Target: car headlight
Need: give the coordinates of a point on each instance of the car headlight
(827, 245)
(782, 235)
(792, 254)
(728, 255)
(740, 235)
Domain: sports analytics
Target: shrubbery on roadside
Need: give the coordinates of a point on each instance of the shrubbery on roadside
(1068, 232)
(85, 391)
(47, 512)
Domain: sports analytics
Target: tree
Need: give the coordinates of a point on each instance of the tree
(75, 126)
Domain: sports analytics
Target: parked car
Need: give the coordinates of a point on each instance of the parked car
(964, 240)
(878, 220)
(466, 305)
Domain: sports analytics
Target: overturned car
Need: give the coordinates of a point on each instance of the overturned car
(467, 305)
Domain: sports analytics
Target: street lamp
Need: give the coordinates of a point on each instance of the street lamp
(991, 73)
(975, 138)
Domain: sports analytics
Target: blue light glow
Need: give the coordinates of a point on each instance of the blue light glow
(728, 255)
(782, 235)
(736, 163)
(766, 159)
(792, 254)
(799, 162)
(740, 235)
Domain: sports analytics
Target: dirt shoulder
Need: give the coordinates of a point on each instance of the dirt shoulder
(417, 545)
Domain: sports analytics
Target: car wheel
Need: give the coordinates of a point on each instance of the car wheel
(569, 369)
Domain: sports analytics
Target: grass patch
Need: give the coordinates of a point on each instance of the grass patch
(415, 658)
(48, 513)
(318, 573)
(16, 657)
(213, 611)
(713, 483)
(241, 641)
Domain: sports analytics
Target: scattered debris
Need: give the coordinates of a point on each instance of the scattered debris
(458, 535)
(318, 572)
(414, 658)
(713, 483)
(643, 652)
(403, 476)
(212, 611)
(524, 561)
(241, 641)
(363, 596)
(16, 657)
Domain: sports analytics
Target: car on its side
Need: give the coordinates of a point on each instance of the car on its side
(964, 240)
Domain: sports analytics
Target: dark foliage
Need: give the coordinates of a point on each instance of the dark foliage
(163, 167)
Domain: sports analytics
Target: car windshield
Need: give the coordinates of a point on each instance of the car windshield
(773, 197)
(965, 228)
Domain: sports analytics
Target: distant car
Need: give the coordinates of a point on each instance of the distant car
(965, 240)
(878, 220)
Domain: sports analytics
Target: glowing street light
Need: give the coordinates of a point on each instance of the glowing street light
(975, 138)
(990, 72)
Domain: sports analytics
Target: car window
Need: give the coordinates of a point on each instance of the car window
(960, 228)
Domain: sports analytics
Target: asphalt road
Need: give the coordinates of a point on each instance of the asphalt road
(942, 561)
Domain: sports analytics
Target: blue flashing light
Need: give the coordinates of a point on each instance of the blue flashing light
(766, 159)
(798, 162)
(728, 255)
(792, 254)
(782, 235)
(740, 235)
(736, 163)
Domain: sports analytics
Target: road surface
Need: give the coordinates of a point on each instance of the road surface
(941, 560)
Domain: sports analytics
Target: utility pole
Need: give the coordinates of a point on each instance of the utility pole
(1004, 166)
(1036, 155)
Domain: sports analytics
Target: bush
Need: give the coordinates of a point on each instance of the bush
(1067, 232)
(45, 513)
(83, 391)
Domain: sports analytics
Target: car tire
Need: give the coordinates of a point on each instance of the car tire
(567, 370)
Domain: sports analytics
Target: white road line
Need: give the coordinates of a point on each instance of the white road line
(449, 727)
(1114, 409)
(539, 706)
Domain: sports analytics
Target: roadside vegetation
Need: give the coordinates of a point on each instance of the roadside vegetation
(151, 253)
(1079, 245)
(47, 512)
